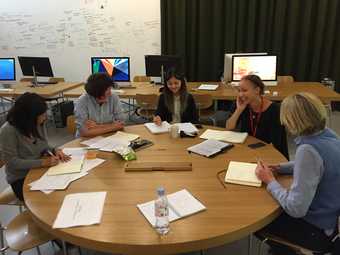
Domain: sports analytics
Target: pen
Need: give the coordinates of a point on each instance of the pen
(50, 153)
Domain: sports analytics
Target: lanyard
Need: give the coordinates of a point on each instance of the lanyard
(253, 127)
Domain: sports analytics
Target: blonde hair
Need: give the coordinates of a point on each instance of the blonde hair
(303, 114)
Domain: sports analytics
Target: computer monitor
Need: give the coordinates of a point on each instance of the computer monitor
(264, 66)
(157, 65)
(116, 67)
(36, 66)
(7, 69)
(227, 74)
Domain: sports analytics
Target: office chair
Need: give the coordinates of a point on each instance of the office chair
(146, 105)
(71, 124)
(141, 78)
(267, 237)
(285, 79)
(204, 104)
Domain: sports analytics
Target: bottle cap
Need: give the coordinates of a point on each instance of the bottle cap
(160, 191)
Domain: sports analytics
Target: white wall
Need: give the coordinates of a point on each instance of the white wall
(71, 31)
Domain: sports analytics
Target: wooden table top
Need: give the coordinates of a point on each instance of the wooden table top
(227, 92)
(232, 212)
(44, 91)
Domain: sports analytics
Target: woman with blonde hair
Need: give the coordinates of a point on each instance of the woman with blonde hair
(311, 205)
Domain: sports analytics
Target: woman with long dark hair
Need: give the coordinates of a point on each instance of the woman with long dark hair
(175, 104)
(23, 141)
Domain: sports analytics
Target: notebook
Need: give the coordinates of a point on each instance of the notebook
(242, 173)
(209, 147)
(208, 87)
(153, 128)
(69, 167)
(181, 204)
(227, 136)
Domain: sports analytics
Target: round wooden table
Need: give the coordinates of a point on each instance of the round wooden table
(233, 211)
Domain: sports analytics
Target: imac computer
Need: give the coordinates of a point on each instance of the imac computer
(7, 69)
(118, 68)
(157, 65)
(36, 66)
(227, 73)
(264, 66)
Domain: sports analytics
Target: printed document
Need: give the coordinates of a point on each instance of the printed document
(227, 136)
(80, 209)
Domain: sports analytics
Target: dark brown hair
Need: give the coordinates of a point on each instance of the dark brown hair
(168, 95)
(97, 84)
(256, 81)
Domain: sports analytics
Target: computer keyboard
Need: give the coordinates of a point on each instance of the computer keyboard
(47, 82)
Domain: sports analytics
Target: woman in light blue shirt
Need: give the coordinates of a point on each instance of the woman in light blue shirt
(311, 205)
(98, 111)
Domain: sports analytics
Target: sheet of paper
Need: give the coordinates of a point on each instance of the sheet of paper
(187, 127)
(48, 183)
(91, 141)
(114, 144)
(208, 147)
(80, 209)
(153, 128)
(208, 87)
(76, 151)
(125, 136)
(228, 136)
(242, 173)
(55, 182)
(72, 166)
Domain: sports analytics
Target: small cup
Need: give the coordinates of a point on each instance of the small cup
(174, 131)
(275, 93)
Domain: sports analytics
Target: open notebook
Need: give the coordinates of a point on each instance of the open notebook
(153, 128)
(227, 136)
(242, 173)
(181, 204)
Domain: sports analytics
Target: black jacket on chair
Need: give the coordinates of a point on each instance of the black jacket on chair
(189, 114)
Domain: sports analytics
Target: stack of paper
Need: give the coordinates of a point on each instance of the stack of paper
(187, 127)
(49, 183)
(209, 148)
(227, 136)
(110, 142)
(155, 129)
(125, 136)
(80, 209)
(208, 87)
(92, 141)
(181, 204)
(242, 173)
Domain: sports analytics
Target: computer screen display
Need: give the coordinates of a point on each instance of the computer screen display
(154, 63)
(42, 66)
(7, 69)
(117, 67)
(263, 66)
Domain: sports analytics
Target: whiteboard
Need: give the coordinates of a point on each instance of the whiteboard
(70, 32)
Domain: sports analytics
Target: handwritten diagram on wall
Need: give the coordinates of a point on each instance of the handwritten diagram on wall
(70, 32)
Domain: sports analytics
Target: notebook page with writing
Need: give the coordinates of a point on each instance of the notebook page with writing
(184, 204)
(153, 128)
(72, 166)
(148, 210)
(242, 173)
(228, 136)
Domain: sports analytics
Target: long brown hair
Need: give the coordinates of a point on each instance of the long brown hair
(168, 95)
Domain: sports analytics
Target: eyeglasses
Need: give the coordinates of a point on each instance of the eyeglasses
(218, 176)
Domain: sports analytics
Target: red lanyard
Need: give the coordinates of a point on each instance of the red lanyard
(253, 128)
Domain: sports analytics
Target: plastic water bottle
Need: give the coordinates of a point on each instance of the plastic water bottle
(162, 212)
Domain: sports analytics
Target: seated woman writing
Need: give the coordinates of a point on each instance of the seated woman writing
(175, 104)
(98, 111)
(311, 205)
(23, 141)
(257, 115)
